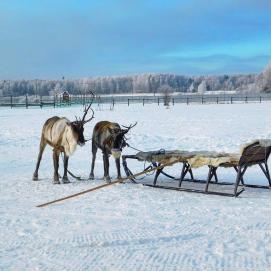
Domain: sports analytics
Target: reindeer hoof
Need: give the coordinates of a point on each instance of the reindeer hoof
(35, 177)
(107, 179)
(65, 180)
(56, 180)
(91, 176)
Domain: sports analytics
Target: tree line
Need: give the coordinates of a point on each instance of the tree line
(143, 83)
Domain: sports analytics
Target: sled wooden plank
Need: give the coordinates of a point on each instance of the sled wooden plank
(191, 190)
(107, 184)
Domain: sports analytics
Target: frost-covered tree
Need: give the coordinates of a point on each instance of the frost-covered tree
(191, 88)
(58, 89)
(267, 79)
(142, 83)
(202, 88)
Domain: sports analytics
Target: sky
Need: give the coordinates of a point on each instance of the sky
(49, 39)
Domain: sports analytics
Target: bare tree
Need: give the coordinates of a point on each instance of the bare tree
(166, 91)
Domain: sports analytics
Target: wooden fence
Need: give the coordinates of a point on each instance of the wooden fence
(54, 101)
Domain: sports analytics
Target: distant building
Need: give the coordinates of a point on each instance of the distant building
(65, 96)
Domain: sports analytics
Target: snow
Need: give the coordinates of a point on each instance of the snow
(127, 226)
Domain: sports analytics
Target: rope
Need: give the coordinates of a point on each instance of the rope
(79, 178)
(151, 165)
(107, 184)
(144, 169)
(133, 147)
(161, 151)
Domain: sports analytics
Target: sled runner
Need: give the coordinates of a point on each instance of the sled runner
(255, 153)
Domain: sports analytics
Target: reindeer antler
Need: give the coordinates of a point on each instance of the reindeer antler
(85, 113)
(128, 128)
(86, 109)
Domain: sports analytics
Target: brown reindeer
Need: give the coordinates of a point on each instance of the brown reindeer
(63, 135)
(110, 139)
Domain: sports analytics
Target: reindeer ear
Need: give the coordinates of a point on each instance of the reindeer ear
(69, 123)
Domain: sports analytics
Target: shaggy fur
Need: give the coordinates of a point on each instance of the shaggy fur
(58, 133)
(62, 135)
(109, 137)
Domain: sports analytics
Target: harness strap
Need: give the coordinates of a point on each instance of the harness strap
(132, 147)
(79, 178)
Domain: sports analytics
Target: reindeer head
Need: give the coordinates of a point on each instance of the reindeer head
(78, 125)
(119, 139)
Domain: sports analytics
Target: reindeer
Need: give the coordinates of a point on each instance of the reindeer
(63, 135)
(110, 139)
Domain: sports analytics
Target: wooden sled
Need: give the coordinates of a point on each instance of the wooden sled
(255, 153)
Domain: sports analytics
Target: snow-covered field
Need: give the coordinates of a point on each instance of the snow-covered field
(127, 226)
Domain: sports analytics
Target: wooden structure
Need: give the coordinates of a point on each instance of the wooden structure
(65, 96)
(60, 100)
(255, 153)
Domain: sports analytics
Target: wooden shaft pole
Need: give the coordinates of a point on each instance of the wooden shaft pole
(107, 184)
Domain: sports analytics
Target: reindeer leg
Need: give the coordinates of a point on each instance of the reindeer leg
(56, 166)
(106, 167)
(65, 177)
(42, 147)
(94, 152)
(118, 167)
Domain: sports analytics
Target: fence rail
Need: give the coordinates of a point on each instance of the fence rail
(56, 101)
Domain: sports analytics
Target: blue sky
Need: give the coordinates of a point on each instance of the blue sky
(78, 38)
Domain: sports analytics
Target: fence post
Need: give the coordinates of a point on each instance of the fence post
(143, 101)
(217, 100)
(231, 99)
(40, 102)
(26, 101)
(54, 101)
(246, 99)
(202, 100)
(11, 101)
(158, 101)
(187, 100)
(260, 98)
(113, 102)
(128, 101)
(172, 101)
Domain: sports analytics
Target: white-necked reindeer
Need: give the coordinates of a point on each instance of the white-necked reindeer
(63, 135)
